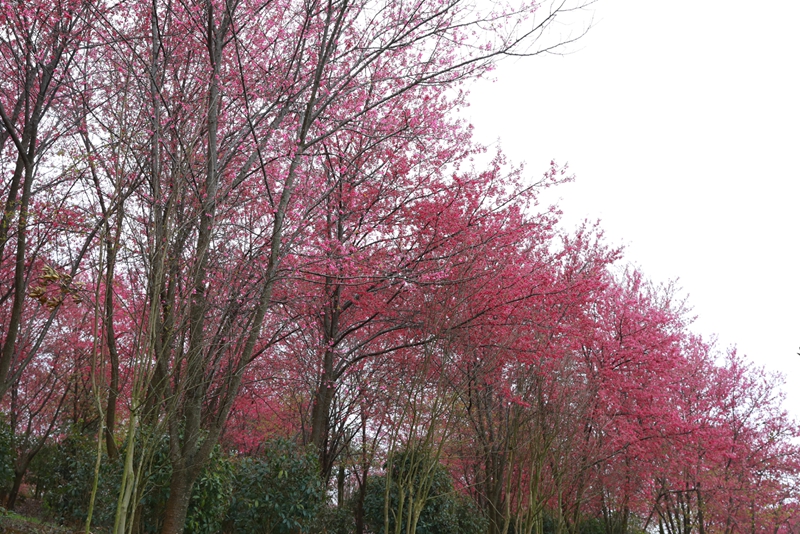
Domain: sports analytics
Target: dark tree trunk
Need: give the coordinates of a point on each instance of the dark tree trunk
(180, 491)
(320, 418)
(113, 390)
(358, 510)
(19, 474)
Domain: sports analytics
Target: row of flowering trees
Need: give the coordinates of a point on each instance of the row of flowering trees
(227, 221)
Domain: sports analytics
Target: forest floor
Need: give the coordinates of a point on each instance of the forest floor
(25, 520)
(17, 524)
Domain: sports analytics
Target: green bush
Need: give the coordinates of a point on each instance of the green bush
(7, 455)
(471, 519)
(211, 493)
(278, 493)
(64, 474)
(445, 510)
(334, 520)
(40, 473)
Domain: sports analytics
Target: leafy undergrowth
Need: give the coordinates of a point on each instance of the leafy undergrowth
(12, 523)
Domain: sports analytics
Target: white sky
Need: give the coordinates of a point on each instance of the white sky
(681, 122)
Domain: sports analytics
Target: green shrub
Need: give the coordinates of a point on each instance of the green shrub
(278, 493)
(40, 473)
(445, 510)
(334, 520)
(7, 455)
(64, 475)
(211, 493)
(592, 525)
(471, 519)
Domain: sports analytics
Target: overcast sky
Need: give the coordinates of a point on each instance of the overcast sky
(681, 122)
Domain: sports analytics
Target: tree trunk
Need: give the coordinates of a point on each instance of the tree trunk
(358, 511)
(113, 390)
(180, 491)
(20, 280)
(340, 486)
(19, 474)
(320, 417)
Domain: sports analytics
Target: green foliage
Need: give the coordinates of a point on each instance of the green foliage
(211, 493)
(40, 473)
(64, 475)
(65, 472)
(592, 526)
(279, 493)
(445, 510)
(334, 520)
(7, 455)
(613, 524)
(587, 525)
(156, 483)
(470, 518)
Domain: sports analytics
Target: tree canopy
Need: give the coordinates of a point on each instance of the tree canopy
(246, 241)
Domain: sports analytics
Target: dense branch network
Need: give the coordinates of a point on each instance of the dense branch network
(231, 221)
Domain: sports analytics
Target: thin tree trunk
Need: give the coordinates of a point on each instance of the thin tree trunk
(111, 342)
(9, 345)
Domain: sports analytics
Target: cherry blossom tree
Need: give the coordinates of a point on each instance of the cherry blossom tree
(40, 44)
(236, 219)
(241, 107)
